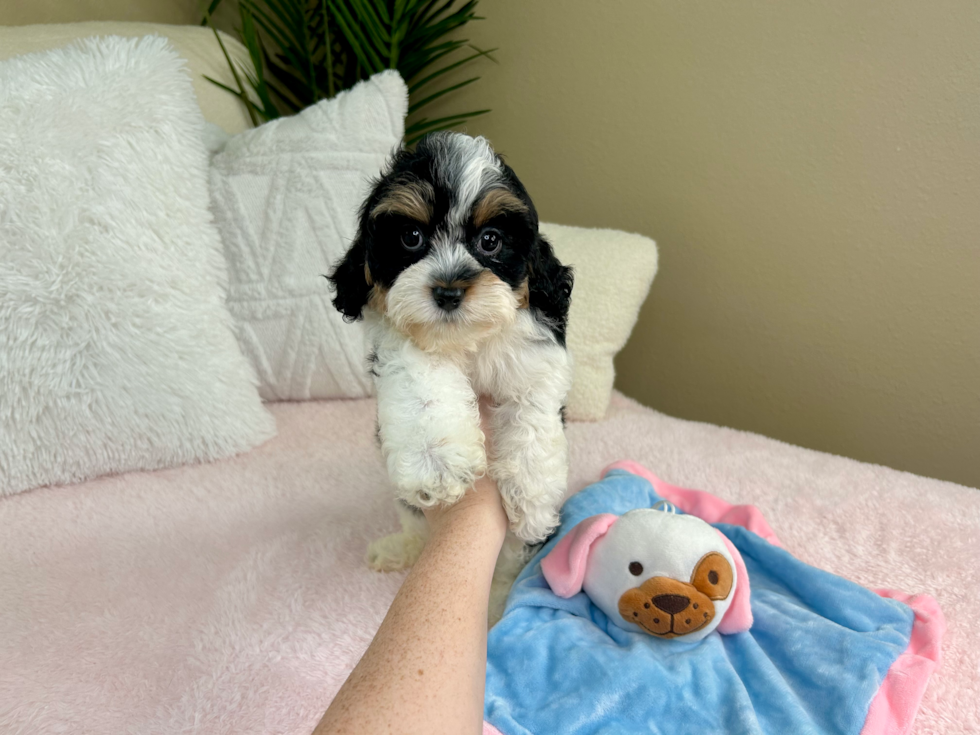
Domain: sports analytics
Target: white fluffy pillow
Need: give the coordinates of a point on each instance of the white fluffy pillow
(285, 196)
(116, 349)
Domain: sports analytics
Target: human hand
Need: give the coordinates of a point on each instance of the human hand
(481, 503)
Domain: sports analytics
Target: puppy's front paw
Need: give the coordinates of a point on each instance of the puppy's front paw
(531, 488)
(395, 552)
(532, 521)
(441, 472)
(530, 465)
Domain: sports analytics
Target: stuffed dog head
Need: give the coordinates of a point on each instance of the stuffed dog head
(666, 574)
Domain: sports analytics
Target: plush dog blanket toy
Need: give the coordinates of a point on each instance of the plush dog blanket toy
(631, 619)
(653, 570)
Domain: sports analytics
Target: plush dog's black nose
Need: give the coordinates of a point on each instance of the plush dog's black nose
(447, 299)
(671, 604)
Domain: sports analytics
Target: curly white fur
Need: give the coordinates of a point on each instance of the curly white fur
(429, 421)
(528, 375)
(429, 426)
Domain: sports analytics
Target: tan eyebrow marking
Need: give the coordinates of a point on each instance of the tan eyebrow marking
(412, 199)
(495, 202)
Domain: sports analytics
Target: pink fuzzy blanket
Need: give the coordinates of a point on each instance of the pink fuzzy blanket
(233, 597)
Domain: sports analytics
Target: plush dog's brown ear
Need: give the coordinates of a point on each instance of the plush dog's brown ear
(350, 281)
(713, 576)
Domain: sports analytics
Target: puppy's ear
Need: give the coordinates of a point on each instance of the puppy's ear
(550, 286)
(349, 281)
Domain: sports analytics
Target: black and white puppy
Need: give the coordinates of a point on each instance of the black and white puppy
(462, 297)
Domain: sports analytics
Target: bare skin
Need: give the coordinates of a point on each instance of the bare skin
(425, 670)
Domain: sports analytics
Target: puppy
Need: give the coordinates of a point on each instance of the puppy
(462, 297)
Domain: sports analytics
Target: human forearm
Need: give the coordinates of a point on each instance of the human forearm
(433, 637)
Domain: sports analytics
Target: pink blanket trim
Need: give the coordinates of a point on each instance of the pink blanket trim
(893, 708)
(702, 504)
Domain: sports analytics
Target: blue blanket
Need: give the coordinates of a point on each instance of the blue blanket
(812, 662)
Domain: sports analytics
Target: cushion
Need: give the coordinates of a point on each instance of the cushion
(285, 196)
(117, 351)
(613, 273)
(195, 44)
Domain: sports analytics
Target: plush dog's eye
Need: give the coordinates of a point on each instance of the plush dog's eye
(490, 242)
(636, 569)
(412, 238)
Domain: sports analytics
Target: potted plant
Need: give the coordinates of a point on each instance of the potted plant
(304, 51)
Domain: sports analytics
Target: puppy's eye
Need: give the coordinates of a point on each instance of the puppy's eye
(412, 238)
(636, 569)
(490, 242)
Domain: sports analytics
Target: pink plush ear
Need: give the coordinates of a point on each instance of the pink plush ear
(738, 617)
(564, 567)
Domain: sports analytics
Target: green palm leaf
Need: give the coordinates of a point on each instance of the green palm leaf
(422, 127)
(455, 65)
(303, 51)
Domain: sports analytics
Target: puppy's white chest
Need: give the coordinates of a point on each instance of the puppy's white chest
(520, 359)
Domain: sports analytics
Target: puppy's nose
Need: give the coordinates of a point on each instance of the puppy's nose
(671, 604)
(447, 299)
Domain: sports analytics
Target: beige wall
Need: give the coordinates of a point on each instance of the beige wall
(25, 12)
(811, 172)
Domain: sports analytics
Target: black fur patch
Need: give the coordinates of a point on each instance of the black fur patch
(550, 285)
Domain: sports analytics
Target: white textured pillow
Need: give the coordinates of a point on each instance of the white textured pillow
(285, 196)
(613, 273)
(116, 349)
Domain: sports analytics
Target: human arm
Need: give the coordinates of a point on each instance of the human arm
(425, 669)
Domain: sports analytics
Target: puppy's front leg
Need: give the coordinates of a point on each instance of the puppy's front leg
(530, 464)
(529, 382)
(429, 425)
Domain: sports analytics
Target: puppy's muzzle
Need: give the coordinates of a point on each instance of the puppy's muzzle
(449, 288)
